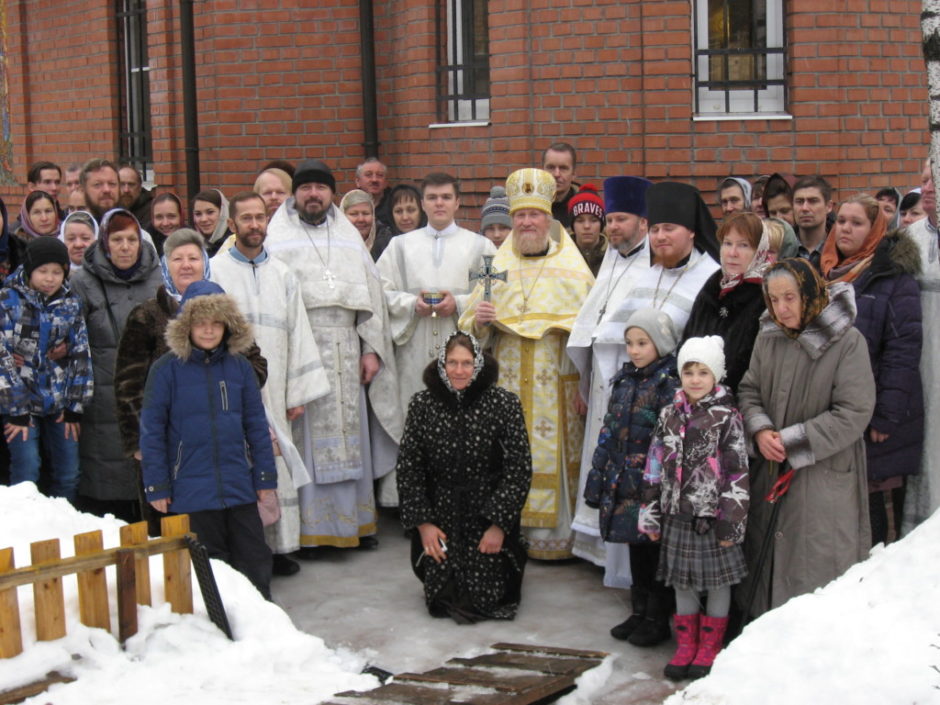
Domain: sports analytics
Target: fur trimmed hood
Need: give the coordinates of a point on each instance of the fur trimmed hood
(210, 301)
(829, 326)
(896, 254)
(488, 376)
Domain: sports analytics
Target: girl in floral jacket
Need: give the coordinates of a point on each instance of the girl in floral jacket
(697, 500)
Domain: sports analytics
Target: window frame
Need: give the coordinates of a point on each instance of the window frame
(767, 97)
(460, 96)
(135, 137)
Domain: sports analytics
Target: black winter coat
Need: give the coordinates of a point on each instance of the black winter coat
(614, 482)
(107, 301)
(889, 316)
(736, 318)
(464, 464)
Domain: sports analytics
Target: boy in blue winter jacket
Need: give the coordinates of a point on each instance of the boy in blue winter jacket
(45, 367)
(204, 439)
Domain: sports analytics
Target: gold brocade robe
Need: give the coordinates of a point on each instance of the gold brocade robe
(535, 310)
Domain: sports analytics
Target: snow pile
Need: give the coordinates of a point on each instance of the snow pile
(173, 658)
(872, 636)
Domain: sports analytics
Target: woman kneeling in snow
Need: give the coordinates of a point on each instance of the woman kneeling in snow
(464, 471)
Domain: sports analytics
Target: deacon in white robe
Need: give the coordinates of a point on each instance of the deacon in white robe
(433, 264)
(348, 438)
(625, 214)
(268, 295)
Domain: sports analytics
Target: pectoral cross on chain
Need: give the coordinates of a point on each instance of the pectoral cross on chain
(487, 274)
(329, 278)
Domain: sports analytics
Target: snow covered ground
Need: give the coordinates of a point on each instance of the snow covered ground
(871, 637)
(174, 658)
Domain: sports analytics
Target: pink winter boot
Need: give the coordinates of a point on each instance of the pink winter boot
(711, 634)
(687, 639)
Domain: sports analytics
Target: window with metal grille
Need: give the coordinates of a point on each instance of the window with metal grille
(463, 61)
(740, 57)
(136, 145)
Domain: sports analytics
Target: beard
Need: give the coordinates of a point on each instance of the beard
(313, 211)
(125, 200)
(532, 242)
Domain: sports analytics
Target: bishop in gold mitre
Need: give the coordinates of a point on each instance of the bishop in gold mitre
(526, 327)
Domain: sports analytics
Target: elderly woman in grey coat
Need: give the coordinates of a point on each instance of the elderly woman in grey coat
(119, 271)
(807, 399)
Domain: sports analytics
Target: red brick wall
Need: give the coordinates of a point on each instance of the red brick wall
(63, 91)
(281, 79)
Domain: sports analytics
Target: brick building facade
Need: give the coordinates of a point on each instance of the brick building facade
(616, 78)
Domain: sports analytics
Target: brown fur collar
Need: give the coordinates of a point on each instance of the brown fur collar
(218, 307)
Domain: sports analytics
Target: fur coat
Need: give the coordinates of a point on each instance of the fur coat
(142, 344)
(464, 464)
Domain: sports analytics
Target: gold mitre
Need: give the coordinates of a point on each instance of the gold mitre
(530, 188)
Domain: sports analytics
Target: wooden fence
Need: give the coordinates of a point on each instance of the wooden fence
(132, 559)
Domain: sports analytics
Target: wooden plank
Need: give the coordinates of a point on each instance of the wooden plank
(20, 694)
(93, 607)
(11, 638)
(127, 594)
(480, 678)
(177, 579)
(136, 535)
(47, 594)
(528, 662)
(417, 695)
(553, 650)
(68, 566)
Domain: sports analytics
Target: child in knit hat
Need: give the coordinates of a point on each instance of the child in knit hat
(45, 367)
(644, 385)
(495, 223)
(696, 492)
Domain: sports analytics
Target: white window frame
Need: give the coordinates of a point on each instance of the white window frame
(460, 110)
(771, 100)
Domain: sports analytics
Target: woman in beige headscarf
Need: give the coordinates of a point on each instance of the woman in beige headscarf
(358, 207)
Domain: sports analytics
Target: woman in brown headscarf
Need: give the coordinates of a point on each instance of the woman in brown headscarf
(807, 399)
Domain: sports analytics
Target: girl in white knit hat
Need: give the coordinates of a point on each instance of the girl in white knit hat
(697, 501)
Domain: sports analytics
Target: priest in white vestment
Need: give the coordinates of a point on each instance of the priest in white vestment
(348, 438)
(625, 208)
(526, 325)
(268, 295)
(426, 277)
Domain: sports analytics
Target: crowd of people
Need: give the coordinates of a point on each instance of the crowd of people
(723, 416)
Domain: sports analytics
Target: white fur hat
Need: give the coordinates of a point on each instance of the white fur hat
(708, 351)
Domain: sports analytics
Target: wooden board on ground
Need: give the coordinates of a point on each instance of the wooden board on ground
(514, 674)
(17, 695)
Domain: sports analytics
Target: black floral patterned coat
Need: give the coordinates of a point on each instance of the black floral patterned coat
(464, 464)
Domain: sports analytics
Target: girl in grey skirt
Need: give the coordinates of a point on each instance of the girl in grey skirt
(696, 492)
